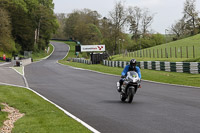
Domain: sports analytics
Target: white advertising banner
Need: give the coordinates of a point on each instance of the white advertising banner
(92, 48)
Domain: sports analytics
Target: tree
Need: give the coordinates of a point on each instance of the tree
(93, 17)
(83, 25)
(6, 41)
(105, 27)
(140, 20)
(191, 16)
(46, 26)
(60, 34)
(178, 28)
(134, 18)
(118, 18)
(94, 34)
(147, 20)
(32, 22)
(70, 24)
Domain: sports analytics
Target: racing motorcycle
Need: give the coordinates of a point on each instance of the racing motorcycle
(129, 87)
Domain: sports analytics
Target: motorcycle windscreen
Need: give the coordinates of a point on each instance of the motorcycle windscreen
(131, 75)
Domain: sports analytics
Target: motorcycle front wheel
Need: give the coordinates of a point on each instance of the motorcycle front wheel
(122, 97)
(130, 93)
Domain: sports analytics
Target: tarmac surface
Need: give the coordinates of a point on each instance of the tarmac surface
(92, 97)
(10, 76)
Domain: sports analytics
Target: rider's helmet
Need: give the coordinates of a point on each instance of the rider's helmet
(133, 63)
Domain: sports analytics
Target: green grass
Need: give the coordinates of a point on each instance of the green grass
(8, 55)
(3, 116)
(189, 42)
(72, 50)
(38, 56)
(121, 58)
(98, 67)
(19, 69)
(161, 76)
(40, 115)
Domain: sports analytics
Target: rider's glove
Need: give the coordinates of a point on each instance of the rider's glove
(123, 76)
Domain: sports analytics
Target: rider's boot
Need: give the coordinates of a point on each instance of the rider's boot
(118, 87)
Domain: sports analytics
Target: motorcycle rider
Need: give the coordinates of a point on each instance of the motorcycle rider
(131, 67)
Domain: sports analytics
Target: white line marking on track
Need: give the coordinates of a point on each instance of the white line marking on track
(66, 112)
(4, 64)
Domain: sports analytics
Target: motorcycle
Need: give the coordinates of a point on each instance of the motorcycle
(129, 87)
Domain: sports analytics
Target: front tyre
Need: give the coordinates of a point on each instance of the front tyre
(130, 93)
(122, 97)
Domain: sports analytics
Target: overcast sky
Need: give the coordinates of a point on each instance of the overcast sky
(166, 11)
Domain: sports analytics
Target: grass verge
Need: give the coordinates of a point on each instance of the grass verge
(38, 56)
(3, 116)
(40, 115)
(158, 76)
(121, 58)
(19, 69)
(180, 46)
(152, 75)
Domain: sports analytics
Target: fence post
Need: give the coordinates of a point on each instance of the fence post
(187, 51)
(161, 53)
(150, 53)
(170, 52)
(146, 53)
(143, 53)
(153, 54)
(181, 52)
(193, 52)
(175, 53)
(157, 54)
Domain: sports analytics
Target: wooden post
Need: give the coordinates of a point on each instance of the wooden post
(170, 52)
(143, 53)
(175, 53)
(150, 53)
(161, 53)
(181, 52)
(193, 52)
(187, 51)
(157, 54)
(146, 53)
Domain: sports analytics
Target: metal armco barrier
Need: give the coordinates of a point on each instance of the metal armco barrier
(182, 67)
(81, 60)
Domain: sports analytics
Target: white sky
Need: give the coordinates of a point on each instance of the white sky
(166, 11)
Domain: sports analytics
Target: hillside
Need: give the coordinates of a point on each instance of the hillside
(187, 49)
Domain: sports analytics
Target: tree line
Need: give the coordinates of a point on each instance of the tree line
(89, 27)
(26, 25)
(189, 24)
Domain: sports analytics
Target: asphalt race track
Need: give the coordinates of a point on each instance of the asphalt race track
(93, 98)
